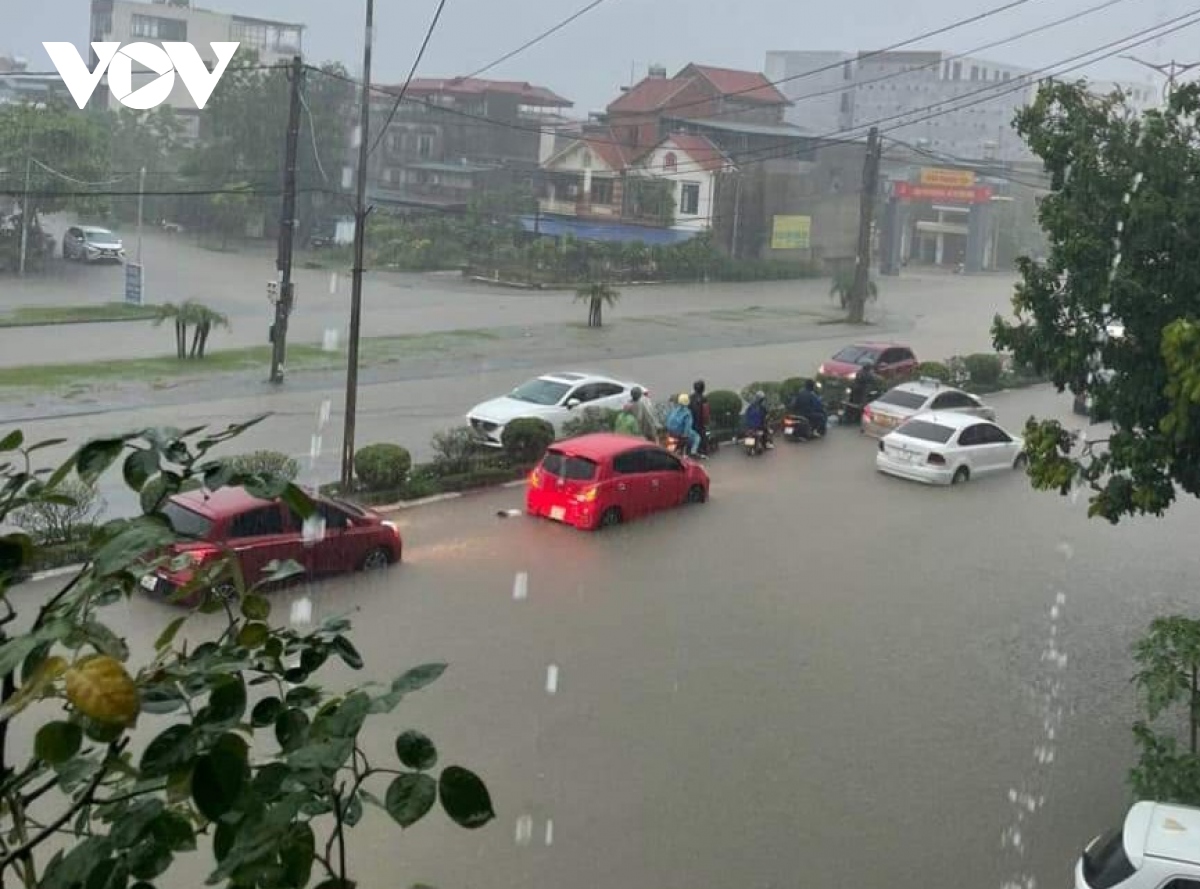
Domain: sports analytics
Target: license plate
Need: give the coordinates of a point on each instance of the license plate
(149, 582)
(558, 513)
(749, 442)
(789, 430)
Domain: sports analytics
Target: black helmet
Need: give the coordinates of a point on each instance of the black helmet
(635, 393)
(810, 385)
(698, 386)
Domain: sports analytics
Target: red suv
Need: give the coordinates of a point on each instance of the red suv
(891, 361)
(341, 537)
(605, 479)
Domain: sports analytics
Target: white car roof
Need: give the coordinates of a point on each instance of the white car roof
(927, 386)
(1160, 830)
(572, 378)
(95, 230)
(952, 419)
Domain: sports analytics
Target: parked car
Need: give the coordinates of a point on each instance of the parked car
(891, 361)
(90, 244)
(905, 401)
(344, 538)
(948, 448)
(1158, 847)
(552, 397)
(603, 479)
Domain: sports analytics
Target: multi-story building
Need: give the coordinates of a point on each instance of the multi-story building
(455, 138)
(130, 21)
(952, 104)
(18, 84)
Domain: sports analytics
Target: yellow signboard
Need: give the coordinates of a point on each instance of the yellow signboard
(944, 178)
(791, 233)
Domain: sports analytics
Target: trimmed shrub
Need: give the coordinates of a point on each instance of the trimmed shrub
(382, 466)
(526, 439)
(58, 523)
(590, 419)
(790, 387)
(725, 408)
(454, 450)
(265, 463)
(934, 370)
(984, 368)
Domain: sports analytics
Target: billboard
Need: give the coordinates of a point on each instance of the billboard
(907, 191)
(791, 233)
(940, 177)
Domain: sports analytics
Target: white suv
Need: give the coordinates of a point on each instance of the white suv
(1158, 848)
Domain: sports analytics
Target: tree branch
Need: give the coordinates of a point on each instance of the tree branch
(45, 610)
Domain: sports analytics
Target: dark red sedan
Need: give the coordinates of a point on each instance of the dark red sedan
(604, 479)
(339, 538)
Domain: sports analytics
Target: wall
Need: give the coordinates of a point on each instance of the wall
(701, 219)
(819, 114)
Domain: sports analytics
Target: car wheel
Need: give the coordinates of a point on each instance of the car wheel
(961, 475)
(610, 517)
(376, 559)
(1021, 462)
(696, 494)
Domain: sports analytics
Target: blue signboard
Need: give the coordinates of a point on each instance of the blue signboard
(134, 278)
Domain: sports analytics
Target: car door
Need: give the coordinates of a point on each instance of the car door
(331, 542)
(668, 478)
(261, 535)
(999, 448)
(610, 395)
(905, 362)
(970, 449)
(631, 488)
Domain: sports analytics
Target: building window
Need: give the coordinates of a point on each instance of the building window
(974, 72)
(265, 37)
(602, 191)
(958, 70)
(155, 28)
(587, 159)
(847, 71)
(424, 145)
(689, 198)
(845, 102)
(669, 162)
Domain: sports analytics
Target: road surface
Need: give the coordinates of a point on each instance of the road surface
(822, 677)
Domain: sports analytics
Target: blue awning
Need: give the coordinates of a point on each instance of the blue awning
(560, 226)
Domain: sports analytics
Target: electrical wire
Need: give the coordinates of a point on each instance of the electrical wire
(271, 67)
(71, 179)
(536, 40)
(408, 80)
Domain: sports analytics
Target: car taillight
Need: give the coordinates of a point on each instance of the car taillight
(936, 460)
(535, 479)
(868, 414)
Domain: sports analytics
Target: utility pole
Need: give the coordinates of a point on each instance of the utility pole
(141, 209)
(1170, 70)
(287, 228)
(25, 201)
(360, 236)
(734, 239)
(866, 216)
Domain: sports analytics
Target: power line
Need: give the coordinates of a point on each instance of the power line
(408, 80)
(274, 66)
(536, 40)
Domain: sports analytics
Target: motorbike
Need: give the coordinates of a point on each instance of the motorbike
(676, 444)
(852, 411)
(797, 427)
(754, 442)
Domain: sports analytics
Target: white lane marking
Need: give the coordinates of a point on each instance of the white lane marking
(330, 341)
(323, 416)
(301, 615)
(524, 830)
(314, 448)
(552, 679)
(333, 283)
(549, 831)
(521, 585)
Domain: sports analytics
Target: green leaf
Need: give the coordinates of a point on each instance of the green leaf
(465, 797)
(12, 441)
(74, 868)
(253, 635)
(303, 697)
(135, 539)
(291, 729)
(56, 742)
(223, 839)
(348, 653)
(161, 698)
(220, 776)
(135, 823)
(167, 636)
(344, 719)
(139, 467)
(226, 704)
(112, 873)
(256, 607)
(352, 811)
(105, 640)
(328, 754)
(148, 859)
(265, 712)
(296, 853)
(418, 677)
(410, 797)
(171, 750)
(174, 831)
(97, 455)
(416, 751)
(268, 783)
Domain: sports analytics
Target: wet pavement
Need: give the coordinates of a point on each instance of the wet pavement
(822, 677)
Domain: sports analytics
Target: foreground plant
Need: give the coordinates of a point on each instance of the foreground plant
(92, 806)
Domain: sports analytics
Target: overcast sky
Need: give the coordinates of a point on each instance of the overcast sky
(590, 59)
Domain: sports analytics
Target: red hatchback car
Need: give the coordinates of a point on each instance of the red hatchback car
(343, 538)
(605, 479)
(891, 361)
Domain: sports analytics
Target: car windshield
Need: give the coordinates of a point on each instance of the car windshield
(98, 234)
(576, 469)
(856, 355)
(926, 431)
(1105, 863)
(185, 522)
(904, 399)
(540, 391)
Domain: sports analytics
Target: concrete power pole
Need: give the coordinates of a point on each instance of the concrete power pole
(361, 210)
(866, 216)
(287, 228)
(1170, 70)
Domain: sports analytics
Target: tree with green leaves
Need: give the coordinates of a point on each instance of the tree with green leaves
(1114, 310)
(1168, 676)
(232, 209)
(192, 314)
(843, 288)
(597, 294)
(251, 763)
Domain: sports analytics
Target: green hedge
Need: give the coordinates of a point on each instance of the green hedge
(725, 409)
(526, 439)
(382, 466)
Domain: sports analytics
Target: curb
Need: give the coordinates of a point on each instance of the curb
(442, 498)
(52, 573)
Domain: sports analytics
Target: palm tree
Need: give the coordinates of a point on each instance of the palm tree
(172, 311)
(843, 288)
(197, 315)
(597, 294)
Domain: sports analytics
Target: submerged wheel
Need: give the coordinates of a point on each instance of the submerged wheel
(960, 475)
(696, 494)
(1021, 462)
(610, 517)
(376, 559)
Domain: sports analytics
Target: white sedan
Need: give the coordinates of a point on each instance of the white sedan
(554, 397)
(907, 400)
(948, 449)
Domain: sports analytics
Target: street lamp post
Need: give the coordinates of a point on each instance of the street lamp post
(141, 208)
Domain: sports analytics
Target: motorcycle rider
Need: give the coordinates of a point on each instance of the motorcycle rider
(865, 382)
(679, 423)
(756, 418)
(700, 414)
(647, 424)
(807, 404)
(627, 422)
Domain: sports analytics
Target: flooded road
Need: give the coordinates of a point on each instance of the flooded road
(821, 677)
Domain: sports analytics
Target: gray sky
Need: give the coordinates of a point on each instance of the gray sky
(590, 59)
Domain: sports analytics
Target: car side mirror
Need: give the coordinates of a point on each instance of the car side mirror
(572, 404)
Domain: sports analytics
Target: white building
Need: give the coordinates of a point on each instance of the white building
(959, 106)
(130, 21)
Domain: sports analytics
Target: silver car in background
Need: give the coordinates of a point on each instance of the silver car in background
(902, 403)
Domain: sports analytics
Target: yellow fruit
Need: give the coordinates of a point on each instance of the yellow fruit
(99, 688)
